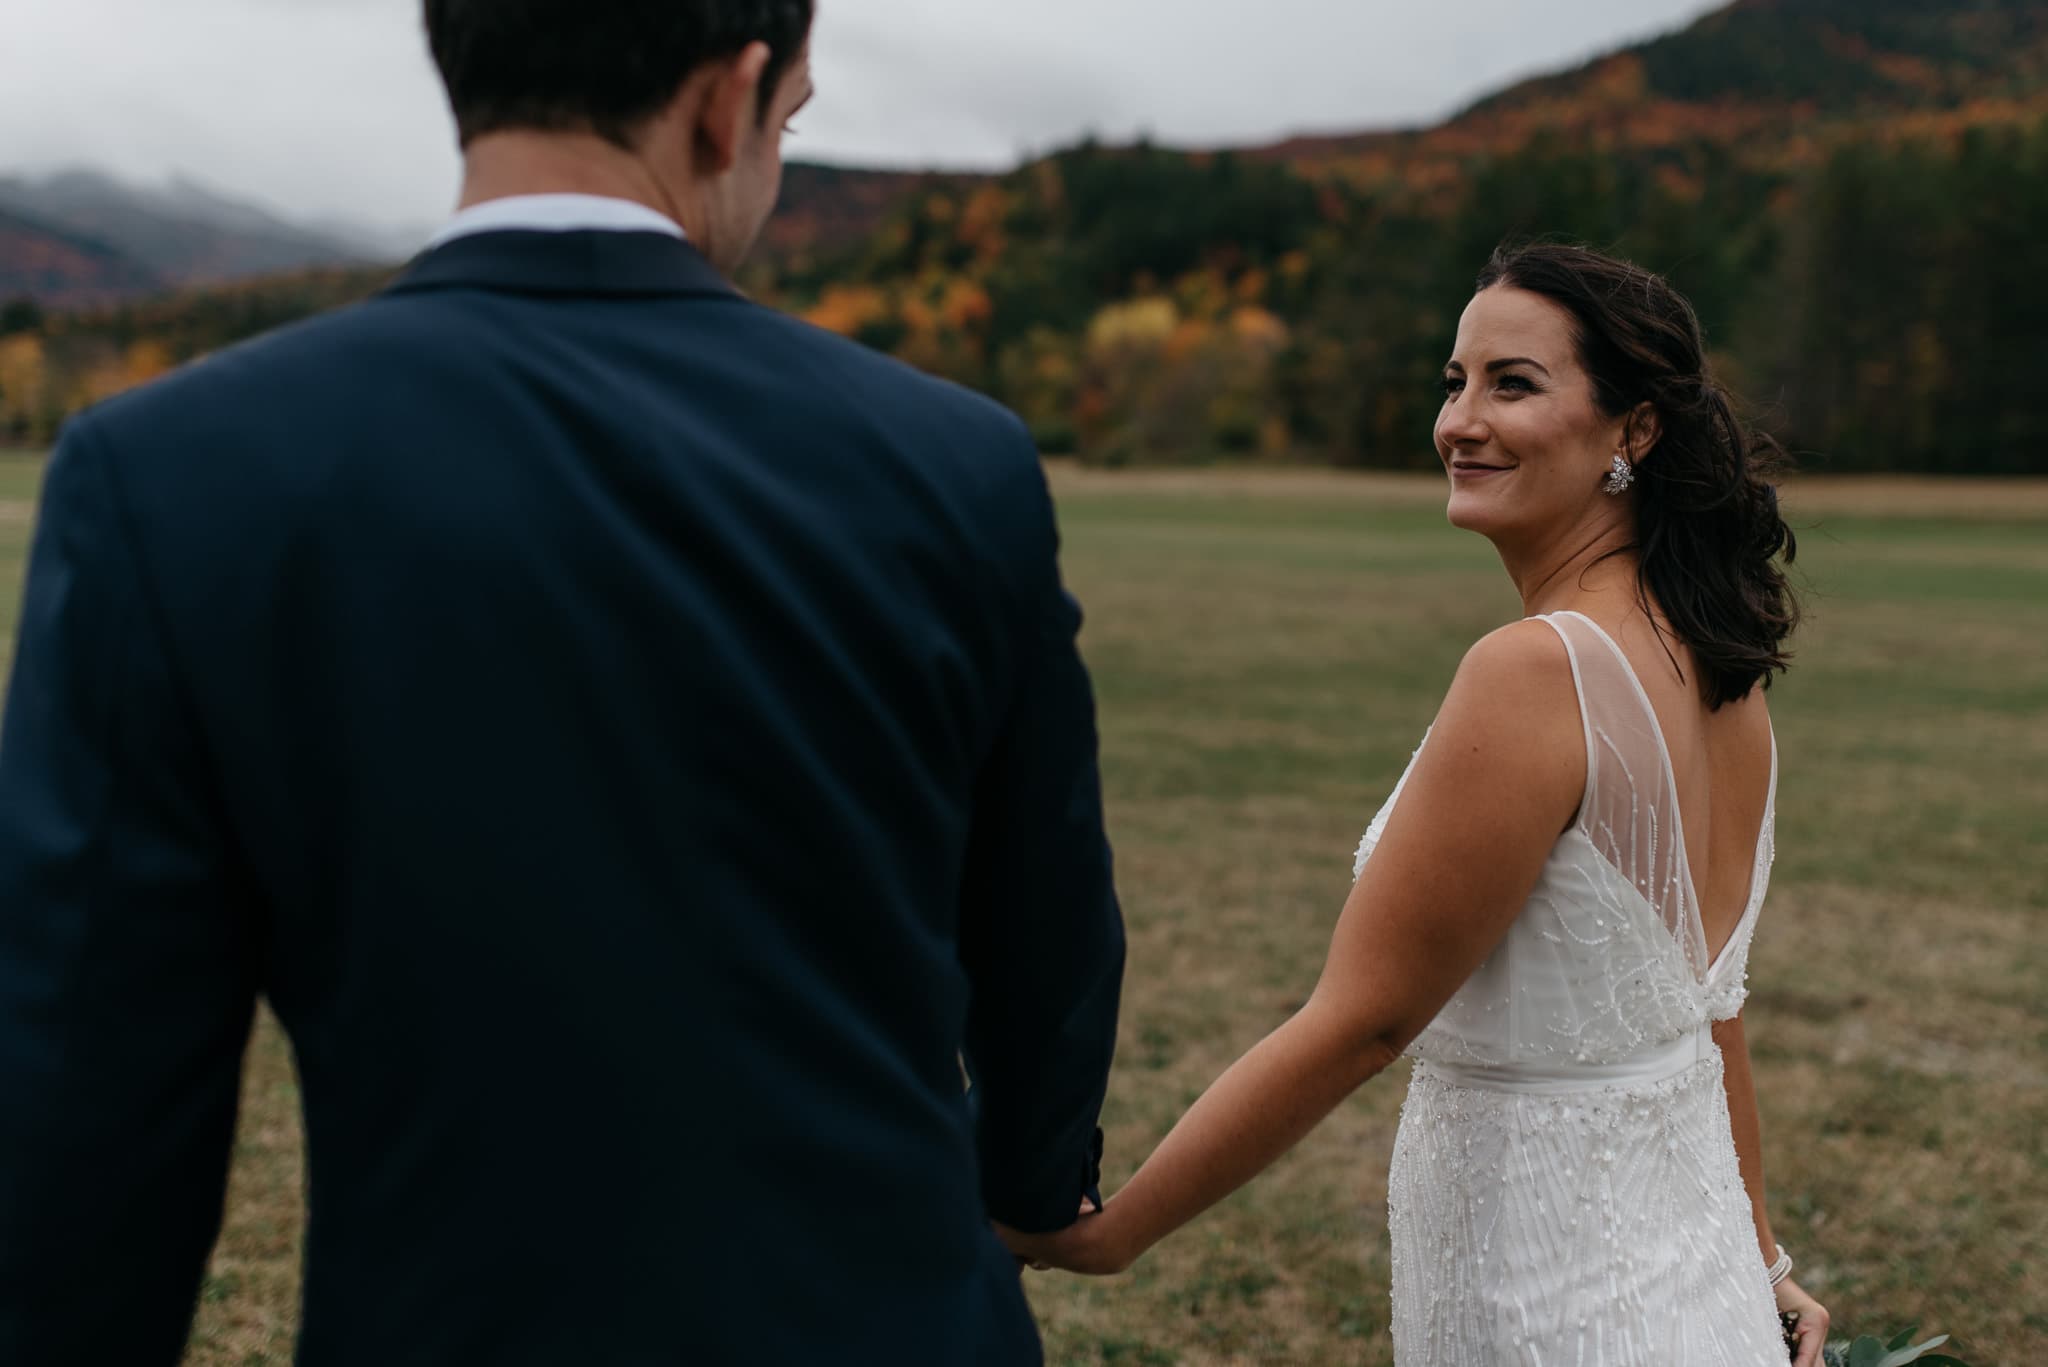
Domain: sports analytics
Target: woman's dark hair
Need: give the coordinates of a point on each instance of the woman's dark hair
(1709, 535)
(595, 66)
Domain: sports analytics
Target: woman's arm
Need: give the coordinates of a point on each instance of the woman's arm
(1501, 776)
(1742, 1117)
(1749, 1153)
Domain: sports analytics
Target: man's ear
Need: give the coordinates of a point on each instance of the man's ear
(1640, 433)
(729, 103)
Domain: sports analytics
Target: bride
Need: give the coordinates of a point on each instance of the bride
(1553, 911)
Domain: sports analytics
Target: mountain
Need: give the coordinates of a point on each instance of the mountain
(1831, 56)
(1772, 79)
(81, 236)
(62, 268)
(183, 231)
(1853, 195)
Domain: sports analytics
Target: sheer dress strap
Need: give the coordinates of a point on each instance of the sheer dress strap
(1630, 812)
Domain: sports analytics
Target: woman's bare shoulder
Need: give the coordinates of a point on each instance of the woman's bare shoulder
(1514, 698)
(1526, 660)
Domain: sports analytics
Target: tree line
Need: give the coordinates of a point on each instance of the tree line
(1879, 303)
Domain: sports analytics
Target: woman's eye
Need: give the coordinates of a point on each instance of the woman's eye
(1516, 384)
(1451, 384)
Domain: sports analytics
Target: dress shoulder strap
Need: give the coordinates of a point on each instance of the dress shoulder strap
(1630, 810)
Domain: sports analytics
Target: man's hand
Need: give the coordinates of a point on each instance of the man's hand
(1089, 1246)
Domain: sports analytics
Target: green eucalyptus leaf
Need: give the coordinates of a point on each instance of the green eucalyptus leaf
(1906, 1355)
(1866, 1352)
(1905, 1337)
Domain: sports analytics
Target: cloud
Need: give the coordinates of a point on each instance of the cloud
(320, 106)
(899, 85)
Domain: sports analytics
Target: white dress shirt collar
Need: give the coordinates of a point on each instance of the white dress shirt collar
(555, 214)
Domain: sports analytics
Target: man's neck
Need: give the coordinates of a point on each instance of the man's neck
(502, 165)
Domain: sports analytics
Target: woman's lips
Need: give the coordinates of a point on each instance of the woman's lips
(1469, 470)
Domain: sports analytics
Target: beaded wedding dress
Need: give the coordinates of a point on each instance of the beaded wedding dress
(1564, 1190)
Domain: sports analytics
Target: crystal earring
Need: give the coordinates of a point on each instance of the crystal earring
(1623, 476)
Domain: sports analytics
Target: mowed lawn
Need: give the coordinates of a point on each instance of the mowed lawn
(1268, 650)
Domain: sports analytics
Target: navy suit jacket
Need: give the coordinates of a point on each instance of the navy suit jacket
(636, 743)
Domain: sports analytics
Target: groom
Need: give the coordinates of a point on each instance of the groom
(634, 741)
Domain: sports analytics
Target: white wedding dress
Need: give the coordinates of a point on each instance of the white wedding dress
(1564, 1190)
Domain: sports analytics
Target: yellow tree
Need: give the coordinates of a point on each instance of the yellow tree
(144, 361)
(24, 384)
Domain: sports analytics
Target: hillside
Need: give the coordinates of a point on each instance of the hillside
(63, 269)
(137, 239)
(1854, 195)
(80, 240)
(1774, 80)
(833, 208)
(1828, 57)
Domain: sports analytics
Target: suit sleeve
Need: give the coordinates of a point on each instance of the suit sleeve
(1042, 936)
(126, 976)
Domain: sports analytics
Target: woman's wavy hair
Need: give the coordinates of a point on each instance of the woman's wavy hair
(1710, 539)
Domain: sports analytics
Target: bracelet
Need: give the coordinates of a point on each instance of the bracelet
(1782, 1268)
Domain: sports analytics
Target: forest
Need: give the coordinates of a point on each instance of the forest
(1864, 234)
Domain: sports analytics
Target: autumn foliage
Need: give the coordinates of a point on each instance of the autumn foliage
(1855, 195)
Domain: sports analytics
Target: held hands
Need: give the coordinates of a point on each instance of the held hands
(1811, 1331)
(1093, 1245)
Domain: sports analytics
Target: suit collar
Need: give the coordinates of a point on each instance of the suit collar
(566, 263)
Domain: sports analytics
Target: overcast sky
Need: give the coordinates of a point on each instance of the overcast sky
(330, 107)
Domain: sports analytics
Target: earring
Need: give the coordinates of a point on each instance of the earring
(1623, 476)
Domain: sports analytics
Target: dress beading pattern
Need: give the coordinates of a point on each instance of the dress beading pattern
(1565, 1190)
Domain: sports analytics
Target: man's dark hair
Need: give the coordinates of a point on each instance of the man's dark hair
(595, 66)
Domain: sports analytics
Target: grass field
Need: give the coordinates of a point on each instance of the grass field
(19, 478)
(1268, 649)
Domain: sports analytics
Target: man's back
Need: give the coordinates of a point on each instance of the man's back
(636, 744)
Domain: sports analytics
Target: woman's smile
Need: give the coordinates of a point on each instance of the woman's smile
(1466, 468)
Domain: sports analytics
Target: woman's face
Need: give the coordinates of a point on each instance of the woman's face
(1525, 444)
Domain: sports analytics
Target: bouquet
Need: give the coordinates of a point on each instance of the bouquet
(1868, 1351)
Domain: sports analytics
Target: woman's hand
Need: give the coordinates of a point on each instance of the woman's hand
(1089, 1246)
(1812, 1329)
